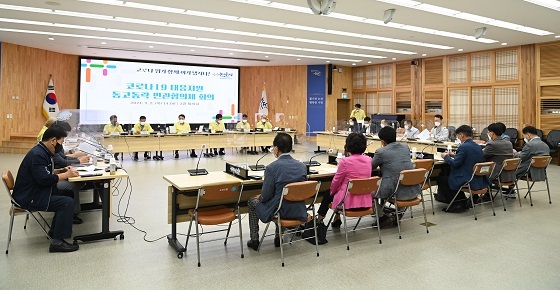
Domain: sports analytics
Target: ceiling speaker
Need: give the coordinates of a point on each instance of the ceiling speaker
(479, 32)
(321, 7)
(388, 15)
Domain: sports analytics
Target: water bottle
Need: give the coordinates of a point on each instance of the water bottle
(112, 166)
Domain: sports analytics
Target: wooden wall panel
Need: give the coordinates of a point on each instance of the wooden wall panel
(549, 60)
(403, 74)
(433, 72)
(25, 73)
(528, 96)
(342, 82)
(286, 92)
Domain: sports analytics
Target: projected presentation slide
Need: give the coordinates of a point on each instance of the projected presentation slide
(158, 91)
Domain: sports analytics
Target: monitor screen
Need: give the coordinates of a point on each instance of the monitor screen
(159, 91)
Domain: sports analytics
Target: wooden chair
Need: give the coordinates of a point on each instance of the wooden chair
(427, 164)
(215, 215)
(359, 187)
(479, 169)
(297, 191)
(16, 209)
(538, 163)
(412, 177)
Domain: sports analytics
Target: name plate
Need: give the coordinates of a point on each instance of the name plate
(115, 134)
(237, 171)
(144, 133)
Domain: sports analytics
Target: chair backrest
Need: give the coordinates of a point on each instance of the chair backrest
(540, 133)
(413, 176)
(553, 138)
(8, 179)
(483, 168)
(452, 135)
(363, 185)
(511, 164)
(484, 134)
(427, 164)
(222, 190)
(512, 133)
(540, 161)
(301, 191)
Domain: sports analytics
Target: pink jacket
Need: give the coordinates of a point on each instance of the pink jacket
(354, 166)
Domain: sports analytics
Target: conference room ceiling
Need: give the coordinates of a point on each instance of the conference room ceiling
(270, 33)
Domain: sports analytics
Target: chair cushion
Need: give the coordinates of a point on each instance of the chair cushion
(476, 191)
(214, 215)
(359, 212)
(407, 203)
(293, 223)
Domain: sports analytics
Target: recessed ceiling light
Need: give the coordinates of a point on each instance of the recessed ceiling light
(151, 46)
(504, 43)
(424, 54)
(231, 53)
(328, 61)
(353, 64)
(192, 50)
(394, 58)
(369, 62)
(266, 56)
(51, 38)
(298, 59)
(557, 36)
(460, 49)
(103, 42)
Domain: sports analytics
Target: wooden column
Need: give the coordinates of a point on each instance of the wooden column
(528, 93)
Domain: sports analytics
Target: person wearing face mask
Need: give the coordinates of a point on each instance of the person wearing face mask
(354, 126)
(534, 146)
(182, 126)
(244, 125)
(391, 159)
(264, 124)
(497, 150)
(367, 128)
(47, 125)
(215, 127)
(277, 174)
(461, 163)
(140, 127)
(113, 127)
(358, 113)
(409, 130)
(35, 187)
(439, 132)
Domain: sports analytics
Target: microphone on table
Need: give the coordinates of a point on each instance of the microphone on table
(194, 172)
(258, 167)
(315, 163)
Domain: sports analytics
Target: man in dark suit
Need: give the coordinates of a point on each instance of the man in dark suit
(534, 146)
(461, 164)
(367, 128)
(276, 175)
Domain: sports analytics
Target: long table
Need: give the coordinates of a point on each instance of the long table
(169, 142)
(183, 189)
(337, 142)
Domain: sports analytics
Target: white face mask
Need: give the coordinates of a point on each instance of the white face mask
(489, 138)
(366, 124)
(351, 123)
(244, 121)
(407, 127)
(182, 121)
(264, 120)
(382, 125)
(525, 139)
(142, 123)
(437, 124)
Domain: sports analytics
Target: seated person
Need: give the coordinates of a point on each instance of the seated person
(47, 125)
(439, 132)
(183, 127)
(461, 163)
(216, 127)
(356, 165)
(35, 188)
(497, 150)
(61, 161)
(113, 127)
(243, 126)
(140, 127)
(534, 146)
(354, 126)
(391, 159)
(409, 130)
(367, 128)
(277, 174)
(265, 125)
(504, 128)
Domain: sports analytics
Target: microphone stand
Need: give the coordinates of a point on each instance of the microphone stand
(194, 172)
(258, 167)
